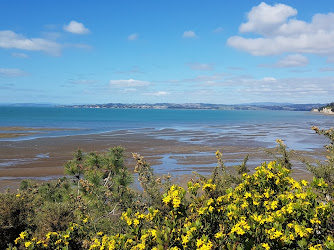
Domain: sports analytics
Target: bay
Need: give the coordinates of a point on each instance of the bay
(264, 126)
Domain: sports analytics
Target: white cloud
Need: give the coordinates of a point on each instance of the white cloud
(20, 55)
(264, 18)
(12, 40)
(281, 34)
(189, 34)
(158, 93)
(200, 66)
(7, 72)
(290, 88)
(295, 60)
(128, 83)
(133, 37)
(76, 28)
(296, 89)
(269, 79)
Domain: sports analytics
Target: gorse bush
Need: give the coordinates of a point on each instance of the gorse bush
(98, 209)
(325, 169)
(267, 210)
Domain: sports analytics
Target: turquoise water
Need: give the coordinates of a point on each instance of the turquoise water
(261, 126)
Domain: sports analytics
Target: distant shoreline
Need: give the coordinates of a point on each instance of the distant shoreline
(199, 106)
(325, 111)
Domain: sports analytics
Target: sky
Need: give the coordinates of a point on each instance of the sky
(175, 51)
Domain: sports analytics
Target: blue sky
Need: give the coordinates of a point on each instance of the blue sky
(149, 51)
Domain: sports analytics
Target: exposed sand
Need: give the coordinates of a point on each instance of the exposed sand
(13, 132)
(44, 158)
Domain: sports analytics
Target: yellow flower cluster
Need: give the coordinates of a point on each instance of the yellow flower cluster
(174, 196)
(268, 208)
(208, 186)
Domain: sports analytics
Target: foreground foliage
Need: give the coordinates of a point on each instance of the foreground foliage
(267, 209)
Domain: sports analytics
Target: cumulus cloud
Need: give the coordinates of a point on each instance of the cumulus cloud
(7, 72)
(282, 34)
(264, 18)
(128, 83)
(133, 37)
(200, 66)
(76, 28)
(295, 60)
(12, 40)
(189, 34)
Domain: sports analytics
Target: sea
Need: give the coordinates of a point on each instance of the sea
(264, 126)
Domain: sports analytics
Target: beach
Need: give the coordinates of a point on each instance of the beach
(42, 159)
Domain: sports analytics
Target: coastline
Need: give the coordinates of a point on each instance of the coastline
(43, 158)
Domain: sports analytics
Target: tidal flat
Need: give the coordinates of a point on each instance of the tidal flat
(167, 150)
(15, 132)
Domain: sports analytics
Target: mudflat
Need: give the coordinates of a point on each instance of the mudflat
(43, 158)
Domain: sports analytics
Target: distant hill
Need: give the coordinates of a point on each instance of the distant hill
(254, 106)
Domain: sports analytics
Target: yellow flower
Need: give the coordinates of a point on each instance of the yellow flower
(23, 235)
(247, 194)
(176, 202)
(209, 186)
(67, 236)
(128, 221)
(18, 195)
(210, 201)
(185, 239)
(167, 199)
(316, 247)
(265, 246)
(315, 221)
(218, 235)
(304, 183)
(199, 242)
(27, 244)
(244, 205)
(274, 205)
(135, 222)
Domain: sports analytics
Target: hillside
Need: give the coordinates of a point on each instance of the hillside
(255, 106)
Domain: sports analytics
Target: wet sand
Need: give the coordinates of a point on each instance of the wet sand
(43, 158)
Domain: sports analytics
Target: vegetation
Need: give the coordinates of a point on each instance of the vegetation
(98, 209)
(328, 106)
